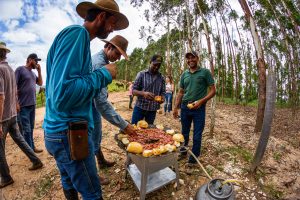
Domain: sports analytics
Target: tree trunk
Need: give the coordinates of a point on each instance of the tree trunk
(190, 43)
(169, 67)
(212, 68)
(267, 123)
(260, 65)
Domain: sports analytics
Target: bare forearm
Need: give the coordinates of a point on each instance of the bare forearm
(178, 100)
(40, 79)
(211, 94)
(138, 93)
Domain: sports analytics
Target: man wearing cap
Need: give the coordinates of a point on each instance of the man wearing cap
(112, 52)
(148, 85)
(8, 119)
(191, 98)
(70, 89)
(26, 83)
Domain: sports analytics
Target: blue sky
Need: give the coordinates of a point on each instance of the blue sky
(29, 26)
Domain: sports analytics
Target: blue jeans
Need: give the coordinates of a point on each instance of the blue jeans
(26, 119)
(140, 114)
(198, 118)
(79, 175)
(10, 126)
(168, 102)
(97, 132)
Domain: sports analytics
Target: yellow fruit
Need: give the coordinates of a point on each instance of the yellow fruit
(125, 141)
(170, 147)
(163, 149)
(158, 99)
(156, 151)
(171, 132)
(135, 147)
(178, 137)
(121, 136)
(161, 127)
(147, 153)
(142, 124)
(190, 106)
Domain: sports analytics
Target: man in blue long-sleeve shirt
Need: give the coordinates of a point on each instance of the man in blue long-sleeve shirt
(112, 51)
(70, 88)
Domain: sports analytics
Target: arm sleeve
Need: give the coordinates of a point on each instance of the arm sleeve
(71, 79)
(107, 110)
(138, 83)
(210, 80)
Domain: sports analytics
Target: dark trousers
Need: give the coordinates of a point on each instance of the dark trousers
(130, 101)
(198, 118)
(10, 126)
(26, 118)
(140, 114)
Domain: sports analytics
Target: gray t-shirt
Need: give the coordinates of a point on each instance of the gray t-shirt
(8, 88)
(26, 83)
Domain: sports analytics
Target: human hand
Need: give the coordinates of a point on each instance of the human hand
(38, 67)
(148, 95)
(129, 130)
(18, 107)
(112, 68)
(175, 113)
(197, 104)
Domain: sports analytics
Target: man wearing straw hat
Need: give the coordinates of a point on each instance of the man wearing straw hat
(70, 88)
(8, 119)
(112, 52)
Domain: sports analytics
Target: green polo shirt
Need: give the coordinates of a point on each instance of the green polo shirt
(195, 84)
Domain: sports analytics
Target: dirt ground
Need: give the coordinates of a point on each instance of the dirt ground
(226, 154)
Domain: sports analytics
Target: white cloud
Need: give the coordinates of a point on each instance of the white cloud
(10, 9)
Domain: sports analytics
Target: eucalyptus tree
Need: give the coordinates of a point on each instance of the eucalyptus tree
(260, 65)
(161, 11)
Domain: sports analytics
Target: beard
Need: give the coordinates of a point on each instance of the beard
(101, 33)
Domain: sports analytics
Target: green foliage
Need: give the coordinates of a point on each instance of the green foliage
(40, 100)
(115, 86)
(241, 152)
(273, 192)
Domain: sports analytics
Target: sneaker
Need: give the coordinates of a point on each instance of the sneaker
(37, 150)
(36, 166)
(2, 185)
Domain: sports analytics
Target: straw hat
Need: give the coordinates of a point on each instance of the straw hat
(106, 5)
(120, 43)
(3, 46)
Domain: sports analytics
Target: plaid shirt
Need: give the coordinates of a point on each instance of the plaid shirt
(155, 83)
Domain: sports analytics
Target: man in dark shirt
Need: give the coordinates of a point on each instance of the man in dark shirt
(149, 87)
(26, 83)
(8, 122)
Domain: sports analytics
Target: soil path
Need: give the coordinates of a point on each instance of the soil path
(226, 154)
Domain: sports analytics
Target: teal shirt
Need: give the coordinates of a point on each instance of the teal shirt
(195, 84)
(71, 84)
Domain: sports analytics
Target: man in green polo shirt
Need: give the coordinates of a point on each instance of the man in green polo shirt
(192, 97)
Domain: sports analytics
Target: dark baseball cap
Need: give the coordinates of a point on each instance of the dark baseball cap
(194, 53)
(156, 59)
(34, 56)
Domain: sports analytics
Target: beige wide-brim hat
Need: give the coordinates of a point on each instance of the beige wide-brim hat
(106, 5)
(120, 43)
(3, 46)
